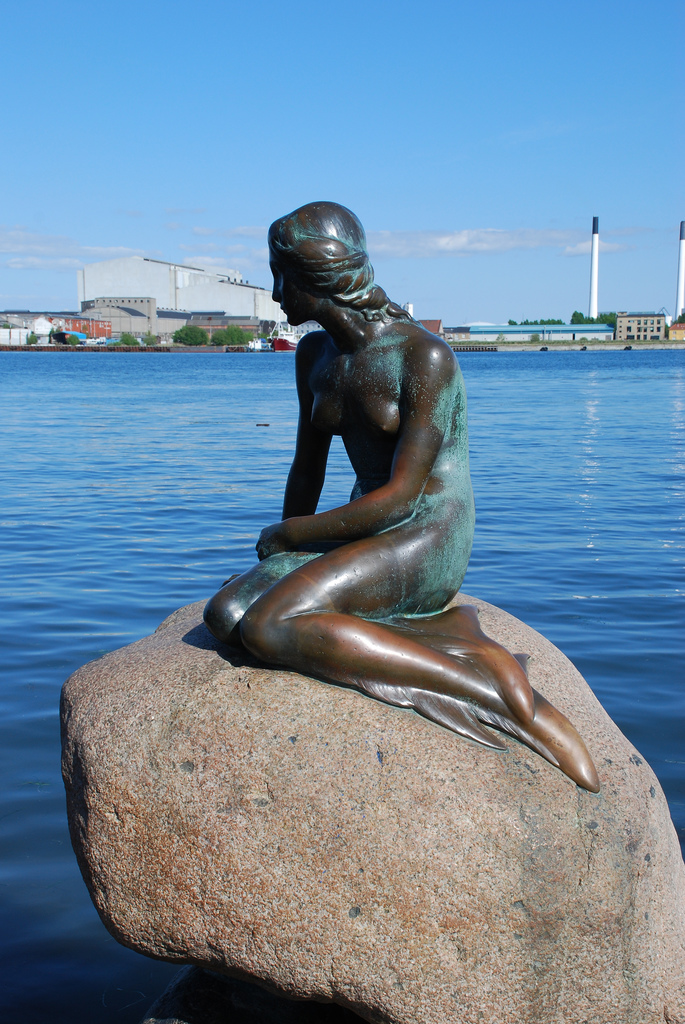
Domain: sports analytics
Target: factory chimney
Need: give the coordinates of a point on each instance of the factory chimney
(594, 268)
(680, 289)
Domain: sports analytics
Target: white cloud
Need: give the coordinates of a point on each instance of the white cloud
(237, 256)
(33, 251)
(470, 241)
(43, 263)
(404, 244)
(583, 248)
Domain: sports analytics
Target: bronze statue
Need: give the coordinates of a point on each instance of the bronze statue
(356, 595)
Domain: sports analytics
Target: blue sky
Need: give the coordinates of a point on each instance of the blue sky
(475, 142)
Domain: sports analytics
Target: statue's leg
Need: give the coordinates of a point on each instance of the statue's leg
(314, 621)
(224, 611)
(457, 632)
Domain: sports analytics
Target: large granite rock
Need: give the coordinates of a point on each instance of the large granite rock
(301, 835)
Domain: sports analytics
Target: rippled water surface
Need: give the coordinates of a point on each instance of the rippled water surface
(133, 485)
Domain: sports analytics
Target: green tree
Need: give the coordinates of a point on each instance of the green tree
(607, 318)
(233, 336)
(535, 338)
(541, 323)
(512, 323)
(127, 339)
(71, 339)
(189, 334)
(603, 318)
(32, 339)
(150, 339)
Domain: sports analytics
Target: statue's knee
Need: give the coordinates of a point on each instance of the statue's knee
(220, 617)
(259, 632)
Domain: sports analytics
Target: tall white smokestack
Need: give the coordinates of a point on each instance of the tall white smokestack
(594, 268)
(680, 290)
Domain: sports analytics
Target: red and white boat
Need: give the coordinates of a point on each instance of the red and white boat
(284, 338)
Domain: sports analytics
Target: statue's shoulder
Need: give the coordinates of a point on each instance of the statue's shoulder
(424, 351)
(311, 345)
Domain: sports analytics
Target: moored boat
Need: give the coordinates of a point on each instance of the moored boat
(260, 345)
(284, 338)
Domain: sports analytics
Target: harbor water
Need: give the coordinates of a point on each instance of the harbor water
(131, 486)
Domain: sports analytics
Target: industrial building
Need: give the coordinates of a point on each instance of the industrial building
(175, 286)
(640, 327)
(543, 332)
(211, 322)
(137, 315)
(455, 334)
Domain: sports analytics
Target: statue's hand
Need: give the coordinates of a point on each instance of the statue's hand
(273, 540)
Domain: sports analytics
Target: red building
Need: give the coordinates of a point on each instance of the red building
(91, 328)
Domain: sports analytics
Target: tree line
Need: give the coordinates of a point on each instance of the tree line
(190, 334)
(576, 318)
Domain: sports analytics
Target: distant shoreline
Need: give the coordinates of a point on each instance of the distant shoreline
(575, 346)
(550, 346)
(129, 349)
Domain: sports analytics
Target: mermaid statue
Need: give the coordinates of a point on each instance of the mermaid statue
(359, 595)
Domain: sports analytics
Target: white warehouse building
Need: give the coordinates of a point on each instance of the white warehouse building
(177, 286)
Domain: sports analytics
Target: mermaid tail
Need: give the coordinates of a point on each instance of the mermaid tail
(450, 712)
(457, 632)
(545, 731)
(500, 694)
(551, 735)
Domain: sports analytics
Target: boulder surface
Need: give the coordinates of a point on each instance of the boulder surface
(280, 830)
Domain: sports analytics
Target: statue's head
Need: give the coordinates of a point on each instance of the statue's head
(321, 247)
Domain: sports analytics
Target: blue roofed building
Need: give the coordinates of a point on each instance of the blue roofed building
(544, 332)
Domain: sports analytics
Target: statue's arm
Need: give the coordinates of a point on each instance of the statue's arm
(420, 439)
(308, 471)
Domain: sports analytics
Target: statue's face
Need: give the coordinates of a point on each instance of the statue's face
(298, 305)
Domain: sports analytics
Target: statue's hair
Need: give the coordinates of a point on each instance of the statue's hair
(324, 246)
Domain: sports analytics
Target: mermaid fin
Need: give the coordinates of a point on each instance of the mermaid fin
(523, 660)
(455, 715)
(450, 712)
(457, 632)
(553, 737)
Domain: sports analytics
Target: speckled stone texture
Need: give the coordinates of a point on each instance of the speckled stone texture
(330, 847)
